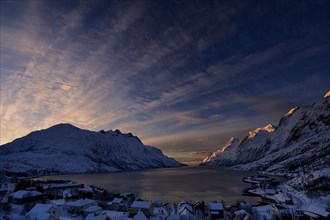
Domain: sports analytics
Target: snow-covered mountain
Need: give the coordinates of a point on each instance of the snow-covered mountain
(64, 148)
(225, 155)
(299, 143)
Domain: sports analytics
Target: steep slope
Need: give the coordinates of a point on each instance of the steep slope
(64, 148)
(300, 143)
(234, 151)
(225, 156)
(254, 146)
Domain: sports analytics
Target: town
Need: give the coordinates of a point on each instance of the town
(30, 199)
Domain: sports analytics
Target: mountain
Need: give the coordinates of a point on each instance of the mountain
(300, 143)
(225, 155)
(64, 148)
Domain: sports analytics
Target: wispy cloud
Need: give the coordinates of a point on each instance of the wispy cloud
(166, 72)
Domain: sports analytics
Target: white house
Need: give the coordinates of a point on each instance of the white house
(140, 216)
(60, 190)
(185, 210)
(79, 205)
(146, 207)
(43, 212)
(25, 196)
(117, 204)
(216, 210)
(94, 209)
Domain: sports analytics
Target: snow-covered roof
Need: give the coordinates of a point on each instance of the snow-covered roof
(184, 209)
(62, 185)
(140, 216)
(114, 215)
(279, 197)
(270, 191)
(93, 208)
(317, 210)
(40, 211)
(24, 194)
(96, 217)
(81, 202)
(141, 204)
(215, 206)
(174, 217)
(117, 200)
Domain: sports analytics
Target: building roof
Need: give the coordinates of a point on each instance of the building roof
(62, 185)
(141, 205)
(185, 209)
(215, 206)
(25, 194)
(174, 217)
(317, 210)
(93, 208)
(117, 200)
(140, 216)
(40, 211)
(110, 214)
(81, 202)
(270, 191)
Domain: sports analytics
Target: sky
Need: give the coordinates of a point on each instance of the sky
(183, 75)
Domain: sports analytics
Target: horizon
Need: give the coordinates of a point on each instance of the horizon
(182, 76)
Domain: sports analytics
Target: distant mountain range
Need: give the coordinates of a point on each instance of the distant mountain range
(300, 143)
(64, 148)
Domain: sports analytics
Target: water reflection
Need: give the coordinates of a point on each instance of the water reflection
(172, 184)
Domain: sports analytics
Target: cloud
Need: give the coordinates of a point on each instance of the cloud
(274, 107)
(189, 118)
(166, 72)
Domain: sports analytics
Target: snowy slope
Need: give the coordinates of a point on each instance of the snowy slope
(225, 156)
(233, 152)
(300, 143)
(64, 148)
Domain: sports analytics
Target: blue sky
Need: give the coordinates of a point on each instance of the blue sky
(182, 75)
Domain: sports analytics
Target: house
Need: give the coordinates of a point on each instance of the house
(94, 209)
(108, 215)
(62, 190)
(78, 206)
(23, 196)
(118, 204)
(282, 211)
(216, 210)
(270, 191)
(199, 207)
(185, 210)
(146, 207)
(140, 216)
(43, 212)
(316, 212)
(3, 191)
(278, 198)
(174, 217)
(242, 215)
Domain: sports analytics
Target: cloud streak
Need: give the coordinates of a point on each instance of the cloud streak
(173, 74)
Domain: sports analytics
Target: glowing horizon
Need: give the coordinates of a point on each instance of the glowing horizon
(183, 76)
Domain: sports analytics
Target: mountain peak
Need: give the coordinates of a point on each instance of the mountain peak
(291, 111)
(65, 148)
(232, 140)
(63, 125)
(327, 94)
(269, 128)
(62, 128)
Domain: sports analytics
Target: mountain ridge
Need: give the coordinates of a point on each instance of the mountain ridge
(64, 148)
(299, 143)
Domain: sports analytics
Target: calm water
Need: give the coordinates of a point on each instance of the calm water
(171, 184)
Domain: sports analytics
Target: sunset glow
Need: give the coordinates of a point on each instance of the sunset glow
(182, 75)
